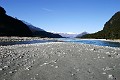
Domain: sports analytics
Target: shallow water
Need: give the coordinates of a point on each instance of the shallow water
(94, 42)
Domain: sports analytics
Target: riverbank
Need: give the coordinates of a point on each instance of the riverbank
(114, 40)
(109, 40)
(59, 61)
(15, 39)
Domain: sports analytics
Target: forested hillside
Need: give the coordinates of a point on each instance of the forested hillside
(111, 29)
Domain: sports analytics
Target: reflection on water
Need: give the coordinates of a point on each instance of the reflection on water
(94, 42)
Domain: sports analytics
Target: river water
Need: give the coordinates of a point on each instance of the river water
(73, 40)
(91, 41)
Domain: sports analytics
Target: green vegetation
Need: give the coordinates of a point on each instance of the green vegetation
(111, 29)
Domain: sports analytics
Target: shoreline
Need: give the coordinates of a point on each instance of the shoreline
(59, 61)
(110, 40)
(5, 41)
(17, 39)
(115, 40)
(13, 39)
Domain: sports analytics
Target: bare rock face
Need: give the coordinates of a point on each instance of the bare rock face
(2, 11)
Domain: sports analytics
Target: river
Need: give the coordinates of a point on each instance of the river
(72, 40)
(92, 41)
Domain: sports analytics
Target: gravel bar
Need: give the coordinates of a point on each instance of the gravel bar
(59, 61)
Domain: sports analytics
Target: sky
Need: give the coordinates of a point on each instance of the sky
(73, 16)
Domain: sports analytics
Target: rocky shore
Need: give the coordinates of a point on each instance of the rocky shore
(59, 61)
(14, 39)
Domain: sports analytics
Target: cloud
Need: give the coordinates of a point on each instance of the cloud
(64, 32)
(46, 9)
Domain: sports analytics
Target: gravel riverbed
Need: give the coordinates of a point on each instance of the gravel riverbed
(59, 61)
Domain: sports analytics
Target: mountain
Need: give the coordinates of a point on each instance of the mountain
(82, 34)
(111, 29)
(10, 26)
(38, 32)
(31, 27)
(46, 34)
(67, 35)
(71, 35)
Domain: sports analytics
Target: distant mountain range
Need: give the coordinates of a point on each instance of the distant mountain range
(10, 26)
(111, 29)
(82, 34)
(72, 35)
(67, 35)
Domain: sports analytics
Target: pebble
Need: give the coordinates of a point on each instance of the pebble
(56, 66)
(107, 68)
(10, 72)
(103, 57)
(72, 74)
(110, 76)
(77, 69)
(104, 73)
(52, 65)
(6, 66)
(1, 69)
(27, 68)
(92, 49)
(109, 55)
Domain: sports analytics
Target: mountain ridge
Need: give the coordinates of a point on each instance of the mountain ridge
(38, 32)
(32, 27)
(111, 29)
(10, 26)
